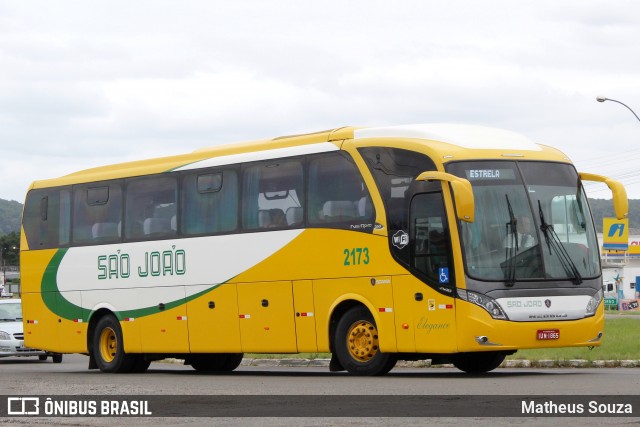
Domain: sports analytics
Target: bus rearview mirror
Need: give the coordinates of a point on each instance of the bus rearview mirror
(462, 192)
(620, 201)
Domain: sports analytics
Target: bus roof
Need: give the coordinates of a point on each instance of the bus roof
(464, 136)
(466, 141)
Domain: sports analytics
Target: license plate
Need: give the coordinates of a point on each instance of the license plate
(548, 334)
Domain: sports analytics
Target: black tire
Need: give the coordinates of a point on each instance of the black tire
(478, 363)
(206, 362)
(42, 357)
(141, 364)
(232, 362)
(356, 345)
(223, 362)
(108, 347)
(57, 358)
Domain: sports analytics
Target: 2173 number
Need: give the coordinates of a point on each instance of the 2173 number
(356, 256)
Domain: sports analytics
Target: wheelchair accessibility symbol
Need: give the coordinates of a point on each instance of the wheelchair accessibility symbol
(443, 275)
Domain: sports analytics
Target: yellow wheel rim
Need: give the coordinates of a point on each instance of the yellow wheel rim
(362, 340)
(108, 344)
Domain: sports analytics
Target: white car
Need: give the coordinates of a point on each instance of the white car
(3, 292)
(12, 336)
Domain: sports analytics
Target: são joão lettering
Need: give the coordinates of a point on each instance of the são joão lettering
(120, 265)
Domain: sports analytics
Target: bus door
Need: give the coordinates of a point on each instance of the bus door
(267, 322)
(213, 320)
(164, 330)
(71, 331)
(426, 299)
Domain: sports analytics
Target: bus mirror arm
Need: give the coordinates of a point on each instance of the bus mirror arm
(462, 192)
(620, 201)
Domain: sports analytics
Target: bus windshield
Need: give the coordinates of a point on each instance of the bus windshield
(532, 222)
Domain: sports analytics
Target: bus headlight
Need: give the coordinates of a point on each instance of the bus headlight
(593, 303)
(489, 304)
(4, 335)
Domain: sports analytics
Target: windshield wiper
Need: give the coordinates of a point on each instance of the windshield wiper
(511, 249)
(553, 241)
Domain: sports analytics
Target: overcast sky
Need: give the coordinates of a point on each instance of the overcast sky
(86, 83)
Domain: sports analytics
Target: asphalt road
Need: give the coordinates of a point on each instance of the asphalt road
(22, 377)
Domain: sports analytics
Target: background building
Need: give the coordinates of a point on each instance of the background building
(621, 272)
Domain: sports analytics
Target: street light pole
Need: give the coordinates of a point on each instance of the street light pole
(4, 272)
(602, 99)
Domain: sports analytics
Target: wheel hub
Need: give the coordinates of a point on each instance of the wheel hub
(108, 344)
(362, 341)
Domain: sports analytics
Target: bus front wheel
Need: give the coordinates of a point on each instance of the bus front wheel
(478, 363)
(357, 346)
(108, 347)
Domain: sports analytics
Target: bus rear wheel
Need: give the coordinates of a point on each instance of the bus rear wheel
(224, 362)
(478, 363)
(357, 346)
(140, 365)
(108, 347)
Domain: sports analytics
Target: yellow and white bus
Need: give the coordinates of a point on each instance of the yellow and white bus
(373, 244)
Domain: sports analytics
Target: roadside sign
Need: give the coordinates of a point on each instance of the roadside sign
(610, 302)
(615, 234)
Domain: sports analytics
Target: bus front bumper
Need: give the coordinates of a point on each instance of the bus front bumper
(478, 331)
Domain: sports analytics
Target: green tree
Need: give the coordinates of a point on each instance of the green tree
(10, 216)
(604, 209)
(10, 244)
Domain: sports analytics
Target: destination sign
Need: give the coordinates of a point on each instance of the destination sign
(489, 174)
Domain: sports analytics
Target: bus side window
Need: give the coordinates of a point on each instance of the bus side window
(337, 192)
(272, 195)
(151, 205)
(429, 236)
(47, 218)
(210, 202)
(97, 213)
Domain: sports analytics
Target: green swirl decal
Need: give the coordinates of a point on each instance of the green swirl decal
(147, 311)
(51, 295)
(58, 304)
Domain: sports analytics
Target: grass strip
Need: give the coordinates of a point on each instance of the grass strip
(621, 342)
